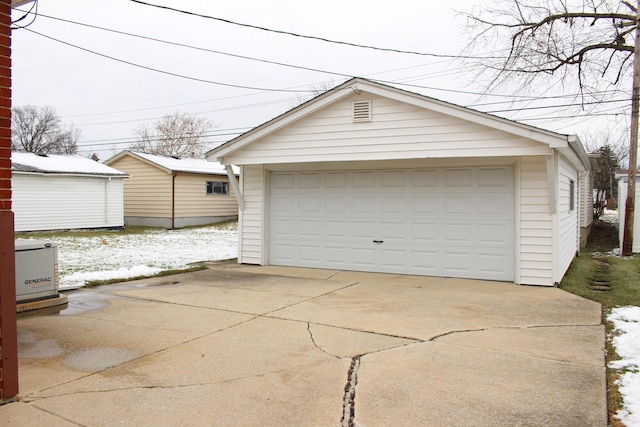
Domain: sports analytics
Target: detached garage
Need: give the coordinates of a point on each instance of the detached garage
(368, 177)
(60, 192)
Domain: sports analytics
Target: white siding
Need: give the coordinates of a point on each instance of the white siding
(586, 198)
(396, 131)
(251, 219)
(66, 202)
(568, 237)
(536, 223)
(622, 201)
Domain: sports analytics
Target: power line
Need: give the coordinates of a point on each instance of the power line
(203, 49)
(133, 64)
(250, 59)
(323, 39)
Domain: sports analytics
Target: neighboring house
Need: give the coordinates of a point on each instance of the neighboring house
(167, 192)
(59, 192)
(368, 177)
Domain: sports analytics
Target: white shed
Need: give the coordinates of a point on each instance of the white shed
(59, 192)
(369, 177)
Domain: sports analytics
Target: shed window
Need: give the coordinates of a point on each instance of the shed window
(217, 187)
(572, 195)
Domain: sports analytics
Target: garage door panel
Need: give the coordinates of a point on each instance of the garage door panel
(495, 179)
(364, 257)
(283, 181)
(309, 204)
(495, 206)
(283, 205)
(366, 205)
(393, 230)
(457, 262)
(425, 179)
(457, 233)
(364, 180)
(494, 234)
(363, 230)
(462, 205)
(424, 261)
(310, 180)
(309, 253)
(336, 180)
(393, 179)
(336, 255)
(336, 205)
(283, 228)
(458, 179)
(284, 252)
(492, 264)
(335, 228)
(310, 228)
(425, 232)
(442, 222)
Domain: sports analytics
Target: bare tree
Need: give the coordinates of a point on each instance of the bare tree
(178, 135)
(604, 182)
(316, 90)
(583, 41)
(39, 130)
(590, 42)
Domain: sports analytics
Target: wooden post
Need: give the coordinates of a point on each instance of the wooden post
(627, 237)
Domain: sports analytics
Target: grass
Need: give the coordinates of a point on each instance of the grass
(93, 283)
(623, 275)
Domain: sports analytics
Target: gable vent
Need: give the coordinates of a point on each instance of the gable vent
(362, 111)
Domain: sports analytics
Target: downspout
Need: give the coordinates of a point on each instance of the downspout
(173, 199)
(106, 200)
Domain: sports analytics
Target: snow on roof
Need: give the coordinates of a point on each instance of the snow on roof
(184, 165)
(60, 163)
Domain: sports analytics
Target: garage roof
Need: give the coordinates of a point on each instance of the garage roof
(568, 145)
(60, 164)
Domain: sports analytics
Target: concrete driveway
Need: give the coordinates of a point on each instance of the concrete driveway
(267, 346)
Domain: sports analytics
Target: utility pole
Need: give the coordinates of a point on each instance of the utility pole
(627, 237)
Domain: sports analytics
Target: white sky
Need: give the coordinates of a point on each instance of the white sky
(108, 100)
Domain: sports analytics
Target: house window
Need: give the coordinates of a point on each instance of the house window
(572, 195)
(217, 187)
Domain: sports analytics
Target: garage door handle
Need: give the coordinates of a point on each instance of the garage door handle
(378, 241)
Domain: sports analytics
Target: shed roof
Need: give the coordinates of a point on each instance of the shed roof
(172, 164)
(60, 164)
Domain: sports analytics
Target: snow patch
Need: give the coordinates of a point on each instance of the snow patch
(113, 255)
(626, 341)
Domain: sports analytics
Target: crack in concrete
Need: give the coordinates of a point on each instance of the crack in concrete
(349, 399)
(309, 299)
(58, 416)
(316, 344)
(461, 331)
(34, 399)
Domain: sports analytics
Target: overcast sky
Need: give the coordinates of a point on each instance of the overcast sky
(100, 86)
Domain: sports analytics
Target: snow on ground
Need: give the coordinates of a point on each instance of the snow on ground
(626, 341)
(120, 256)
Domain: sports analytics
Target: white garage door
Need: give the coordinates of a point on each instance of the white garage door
(451, 222)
